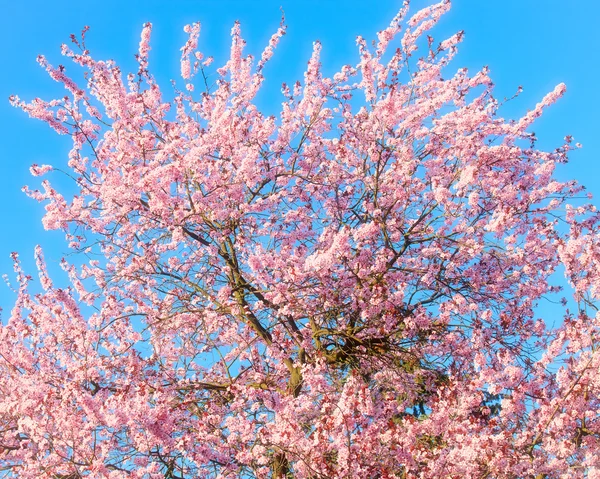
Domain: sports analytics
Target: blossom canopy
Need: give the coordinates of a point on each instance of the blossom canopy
(347, 289)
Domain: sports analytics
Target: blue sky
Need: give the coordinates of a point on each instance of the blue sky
(533, 43)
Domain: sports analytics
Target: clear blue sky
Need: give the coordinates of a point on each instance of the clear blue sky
(533, 43)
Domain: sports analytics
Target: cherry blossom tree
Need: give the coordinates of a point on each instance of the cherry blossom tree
(345, 290)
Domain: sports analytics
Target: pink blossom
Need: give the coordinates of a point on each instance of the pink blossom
(345, 289)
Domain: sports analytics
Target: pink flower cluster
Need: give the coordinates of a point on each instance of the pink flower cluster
(345, 290)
